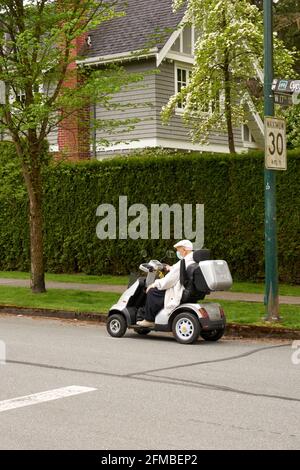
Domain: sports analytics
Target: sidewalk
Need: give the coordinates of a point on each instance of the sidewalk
(283, 299)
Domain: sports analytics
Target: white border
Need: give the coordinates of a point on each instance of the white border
(166, 143)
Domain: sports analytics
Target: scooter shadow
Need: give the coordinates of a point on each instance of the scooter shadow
(168, 337)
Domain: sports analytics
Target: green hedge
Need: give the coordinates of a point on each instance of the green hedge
(231, 189)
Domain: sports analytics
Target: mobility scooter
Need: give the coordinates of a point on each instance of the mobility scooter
(191, 318)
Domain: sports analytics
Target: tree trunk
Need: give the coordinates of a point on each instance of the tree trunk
(228, 110)
(37, 244)
(32, 176)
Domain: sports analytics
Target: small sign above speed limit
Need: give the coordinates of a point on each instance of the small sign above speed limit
(275, 146)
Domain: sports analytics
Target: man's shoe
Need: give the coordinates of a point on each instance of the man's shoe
(146, 323)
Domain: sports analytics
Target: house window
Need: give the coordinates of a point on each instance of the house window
(176, 45)
(182, 79)
(21, 96)
(216, 103)
(247, 135)
(185, 42)
(196, 35)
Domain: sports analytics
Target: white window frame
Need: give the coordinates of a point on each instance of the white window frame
(180, 110)
(251, 142)
(188, 69)
(221, 105)
(20, 96)
(180, 36)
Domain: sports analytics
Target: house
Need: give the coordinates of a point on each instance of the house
(140, 42)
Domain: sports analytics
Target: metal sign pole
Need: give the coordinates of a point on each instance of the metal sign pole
(271, 266)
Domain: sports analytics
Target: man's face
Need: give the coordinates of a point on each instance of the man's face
(182, 251)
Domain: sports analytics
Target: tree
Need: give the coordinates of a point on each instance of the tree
(37, 49)
(228, 55)
(286, 23)
(292, 116)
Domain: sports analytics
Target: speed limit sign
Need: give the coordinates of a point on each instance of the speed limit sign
(275, 144)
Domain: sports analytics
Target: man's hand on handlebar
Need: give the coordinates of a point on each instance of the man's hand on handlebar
(150, 287)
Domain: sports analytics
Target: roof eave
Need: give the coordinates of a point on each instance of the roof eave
(120, 57)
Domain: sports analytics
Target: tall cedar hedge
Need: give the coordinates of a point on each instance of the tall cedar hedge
(230, 187)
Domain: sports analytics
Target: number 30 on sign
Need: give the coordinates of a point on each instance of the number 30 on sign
(275, 147)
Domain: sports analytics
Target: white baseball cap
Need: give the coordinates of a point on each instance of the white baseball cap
(185, 244)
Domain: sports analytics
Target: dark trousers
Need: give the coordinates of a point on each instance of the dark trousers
(154, 303)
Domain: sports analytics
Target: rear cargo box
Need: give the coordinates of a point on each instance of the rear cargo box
(216, 274)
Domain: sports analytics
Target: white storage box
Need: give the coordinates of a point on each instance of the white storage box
(216, 274)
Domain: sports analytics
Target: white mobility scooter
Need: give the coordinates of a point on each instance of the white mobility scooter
(191, 318)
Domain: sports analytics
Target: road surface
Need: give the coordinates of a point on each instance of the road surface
(68, 385)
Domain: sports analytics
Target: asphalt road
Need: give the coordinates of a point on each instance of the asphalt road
(147, 392)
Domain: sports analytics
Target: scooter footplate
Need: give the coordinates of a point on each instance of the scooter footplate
(138, 327)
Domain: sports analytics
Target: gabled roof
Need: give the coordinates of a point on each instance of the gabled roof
(147, 24)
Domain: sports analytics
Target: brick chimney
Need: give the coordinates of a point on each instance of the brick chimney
(74, 130)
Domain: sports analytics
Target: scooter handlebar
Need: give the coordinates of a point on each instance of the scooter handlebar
(153, 265)
(146, 267)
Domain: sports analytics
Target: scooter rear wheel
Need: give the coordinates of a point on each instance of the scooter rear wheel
(213, 335)
(116, 325)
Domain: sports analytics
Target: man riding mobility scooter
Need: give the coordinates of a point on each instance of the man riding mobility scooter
(191, 318)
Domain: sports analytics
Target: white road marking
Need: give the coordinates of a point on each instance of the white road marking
(37, 398)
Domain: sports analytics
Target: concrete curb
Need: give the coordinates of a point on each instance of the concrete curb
(50, 313)
(232, 329)
(266, 332)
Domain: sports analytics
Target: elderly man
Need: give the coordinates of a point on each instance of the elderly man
(167, 292)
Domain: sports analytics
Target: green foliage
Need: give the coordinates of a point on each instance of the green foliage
(231, 188)
(287, 23)
(14, 242)
(10, 172)
(37, 76)
(228, 53)
(42, 85)
(292, 116)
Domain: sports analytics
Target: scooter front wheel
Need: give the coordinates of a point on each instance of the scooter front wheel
(116, 325)
(186, 328)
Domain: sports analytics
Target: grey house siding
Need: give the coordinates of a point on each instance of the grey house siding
(150, 95)
(165, 88)
(142, 95)
(176, 130)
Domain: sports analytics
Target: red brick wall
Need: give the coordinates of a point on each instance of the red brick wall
(74, 130)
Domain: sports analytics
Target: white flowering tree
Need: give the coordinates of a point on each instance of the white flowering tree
(228, 56)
